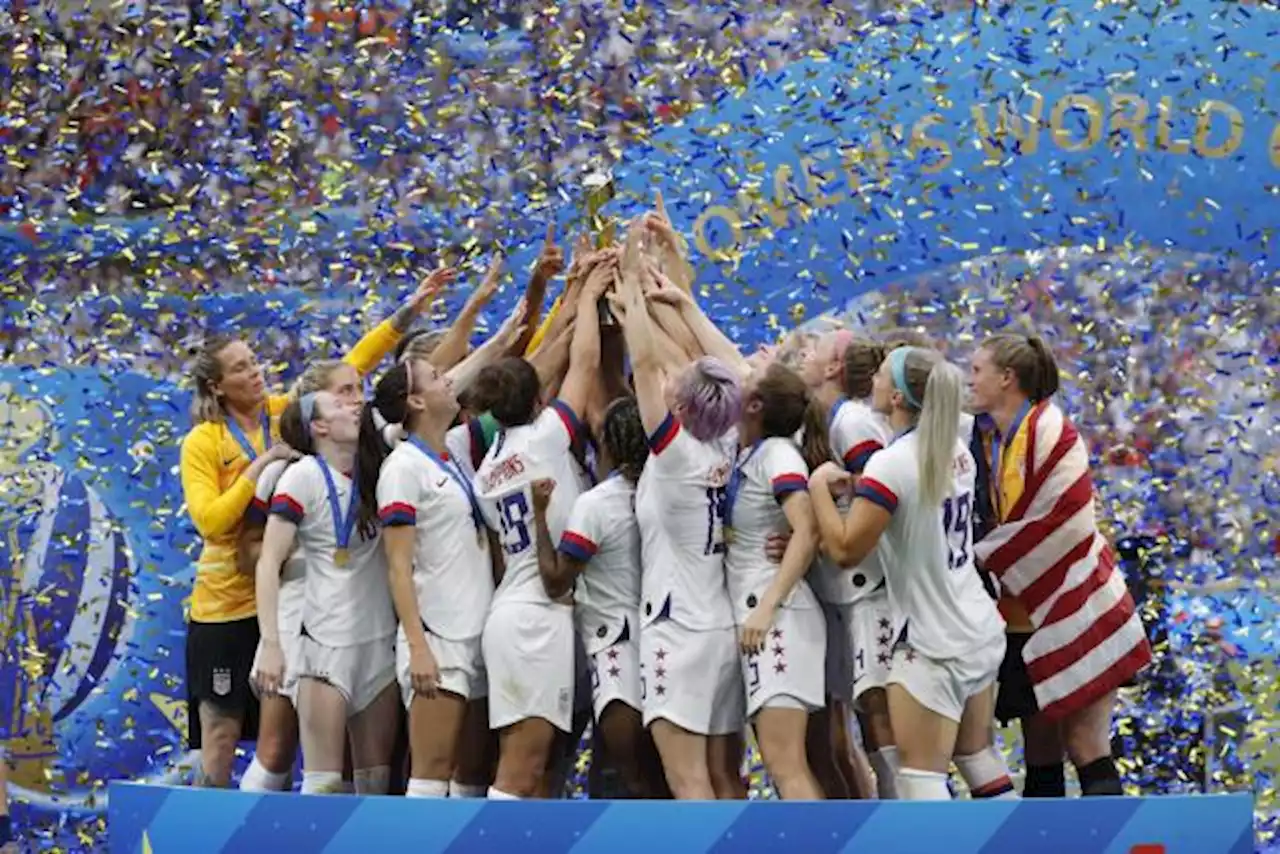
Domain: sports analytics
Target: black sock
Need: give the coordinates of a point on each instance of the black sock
(1045, 781)
(1100, 777)
(5, 830)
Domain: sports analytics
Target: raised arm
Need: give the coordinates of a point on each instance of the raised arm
(453, 347)
(549, 264)
(584, 351)
(382, 339)
(710, 339)
(498, 345)
(637, 326)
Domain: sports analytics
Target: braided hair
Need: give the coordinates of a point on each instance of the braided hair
(622, 433)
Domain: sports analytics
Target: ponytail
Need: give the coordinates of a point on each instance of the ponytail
(815, 446)
(388, 408)
(939, 428)
(933, 389)
(1047, 379)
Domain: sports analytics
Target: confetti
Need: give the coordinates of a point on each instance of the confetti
(173, 169)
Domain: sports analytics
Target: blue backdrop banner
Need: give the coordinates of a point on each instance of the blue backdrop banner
(159, 820)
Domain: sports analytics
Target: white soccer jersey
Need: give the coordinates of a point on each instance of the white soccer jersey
(856, 432)
(602, 533)
(346, 605)
(936, 596)
(452, 573)
(458, 441)
(520, 456)
(680, 510)
(770, 472)
(295, 566)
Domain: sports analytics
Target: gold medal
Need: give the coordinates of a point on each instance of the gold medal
(341, 556)
(728, 535)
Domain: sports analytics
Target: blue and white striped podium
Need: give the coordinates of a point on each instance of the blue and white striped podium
(158, 820)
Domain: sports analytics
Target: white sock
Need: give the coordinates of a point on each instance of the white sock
(373, 781)
(916, 785)
(463, 790)
(986, 775)
(499, 795)
(321, 782)
(258, 779)
(427, 789)
(885, 763)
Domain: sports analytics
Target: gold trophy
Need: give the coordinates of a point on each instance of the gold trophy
(600, 191)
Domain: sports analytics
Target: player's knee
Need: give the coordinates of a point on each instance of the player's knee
(275, 750)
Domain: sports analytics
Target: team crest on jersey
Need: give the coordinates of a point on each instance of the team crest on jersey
(719, 476)
(222, 681)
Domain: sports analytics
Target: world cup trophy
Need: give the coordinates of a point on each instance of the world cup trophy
(65, 597)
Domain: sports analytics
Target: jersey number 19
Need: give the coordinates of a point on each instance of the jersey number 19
(957, 519)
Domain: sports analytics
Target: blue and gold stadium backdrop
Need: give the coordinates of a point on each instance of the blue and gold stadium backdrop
(933, 141)
(99, 559)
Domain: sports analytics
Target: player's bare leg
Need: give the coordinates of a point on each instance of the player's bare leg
(822, 747)
(477, 753)
(322, 727)
(877, 733)
(925, 744)
(276, 748)
(684, 761)
(435, 732)
(724, 766)
(1086, 734)
(219, 734)
(622, 731)
(780, 733)
(524, 749)
(373, 740)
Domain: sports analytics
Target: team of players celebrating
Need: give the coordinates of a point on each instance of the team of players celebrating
(630, 523)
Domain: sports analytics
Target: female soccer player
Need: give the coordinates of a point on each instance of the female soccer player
(780, 622)
(839, 370)
(600, 549)
(1085, 637)
(917, 494)
(437, 549)
(692, 682)
(528, 639)
(277, 743)
(347, 670)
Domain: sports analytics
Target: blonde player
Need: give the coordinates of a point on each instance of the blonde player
(437, 548)
(780, 622)
(600, 549)
(277, 744)
(838, 370)
(917, 495)
(347, 671)
(528, 639)
(691, 680)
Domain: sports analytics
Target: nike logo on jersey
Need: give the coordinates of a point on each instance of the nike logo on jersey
(441, 482)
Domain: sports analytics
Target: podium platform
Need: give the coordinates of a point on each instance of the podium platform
(159, 820)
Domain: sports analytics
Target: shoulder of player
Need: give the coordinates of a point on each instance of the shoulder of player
(204, 436)
(779, 452)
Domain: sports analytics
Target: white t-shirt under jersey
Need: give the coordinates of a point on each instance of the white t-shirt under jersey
(452, 573)
(602, 533)
(856, 432)
(295, 565)
(770, 473)
(518, 457)
(935, 593)
(680, 510)
(346, 605)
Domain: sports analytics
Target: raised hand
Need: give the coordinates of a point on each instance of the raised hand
(431, 285)
(489, 284)
(550, 261)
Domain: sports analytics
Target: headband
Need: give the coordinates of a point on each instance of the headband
(392, 434)
(898, 369)
(307, 403)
